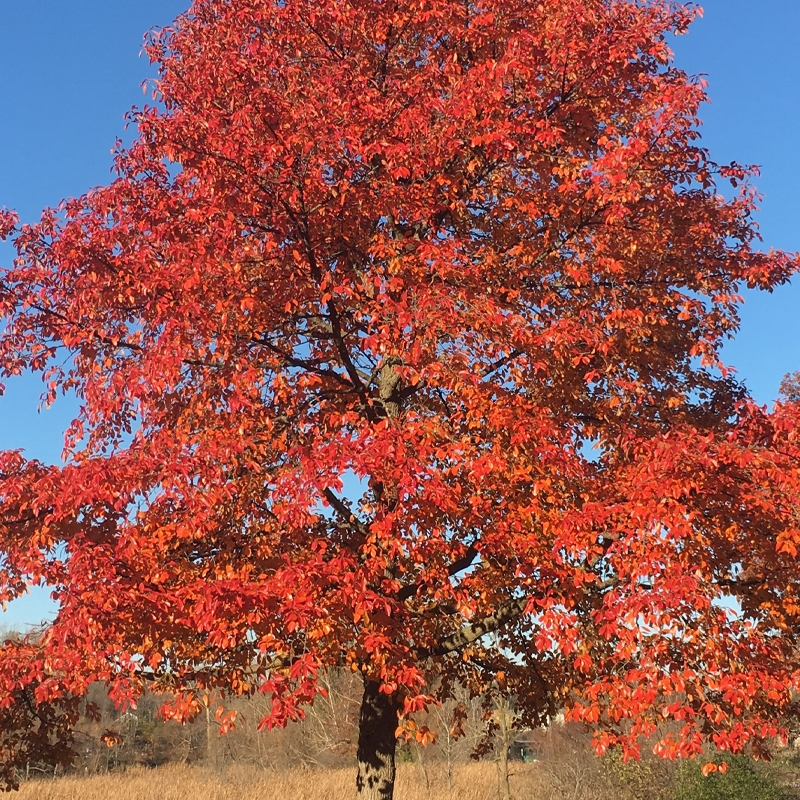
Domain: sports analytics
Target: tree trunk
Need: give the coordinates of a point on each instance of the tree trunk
(376, 744)
(209, 739)
(503, 784)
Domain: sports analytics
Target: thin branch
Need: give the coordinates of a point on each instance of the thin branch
(344, 513)
(501, 362)
(301, 363)
(460, 565)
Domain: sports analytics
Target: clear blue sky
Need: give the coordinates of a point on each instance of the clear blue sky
(71, 71)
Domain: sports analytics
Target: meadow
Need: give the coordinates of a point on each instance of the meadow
(569, 777)
(476, 781)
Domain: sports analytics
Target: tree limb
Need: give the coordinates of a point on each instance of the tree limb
(461, 564)
(472, 632)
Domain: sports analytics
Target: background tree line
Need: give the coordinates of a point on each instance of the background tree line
(468, 728)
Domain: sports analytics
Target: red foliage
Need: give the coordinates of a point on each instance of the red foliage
(400, 324)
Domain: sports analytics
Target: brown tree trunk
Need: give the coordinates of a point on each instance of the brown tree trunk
(376, 744)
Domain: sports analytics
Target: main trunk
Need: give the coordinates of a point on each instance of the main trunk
(376, 744)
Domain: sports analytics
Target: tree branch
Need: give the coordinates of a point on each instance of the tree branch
(461, 564)
(501, 362)
(469, 633)
(344, 513)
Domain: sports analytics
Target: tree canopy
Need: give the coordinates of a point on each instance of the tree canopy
(397, 344)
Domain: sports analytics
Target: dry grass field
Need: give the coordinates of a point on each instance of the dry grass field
(469, 782)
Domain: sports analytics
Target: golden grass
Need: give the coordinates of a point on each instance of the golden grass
(179, 782)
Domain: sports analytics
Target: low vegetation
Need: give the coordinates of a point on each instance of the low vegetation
(575, 777)
(184, 782)
(137, 755)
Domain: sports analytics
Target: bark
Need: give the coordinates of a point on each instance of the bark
(376, 744)
(389, 387)
(470, 633)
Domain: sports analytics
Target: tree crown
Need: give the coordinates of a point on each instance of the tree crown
(397, 344)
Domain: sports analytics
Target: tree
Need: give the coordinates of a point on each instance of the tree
(400, 326)
(790, 387)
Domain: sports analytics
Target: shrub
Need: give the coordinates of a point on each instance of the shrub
(744, 779)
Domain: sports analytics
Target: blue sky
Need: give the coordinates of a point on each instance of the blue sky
(71, 71)
(748, 51)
